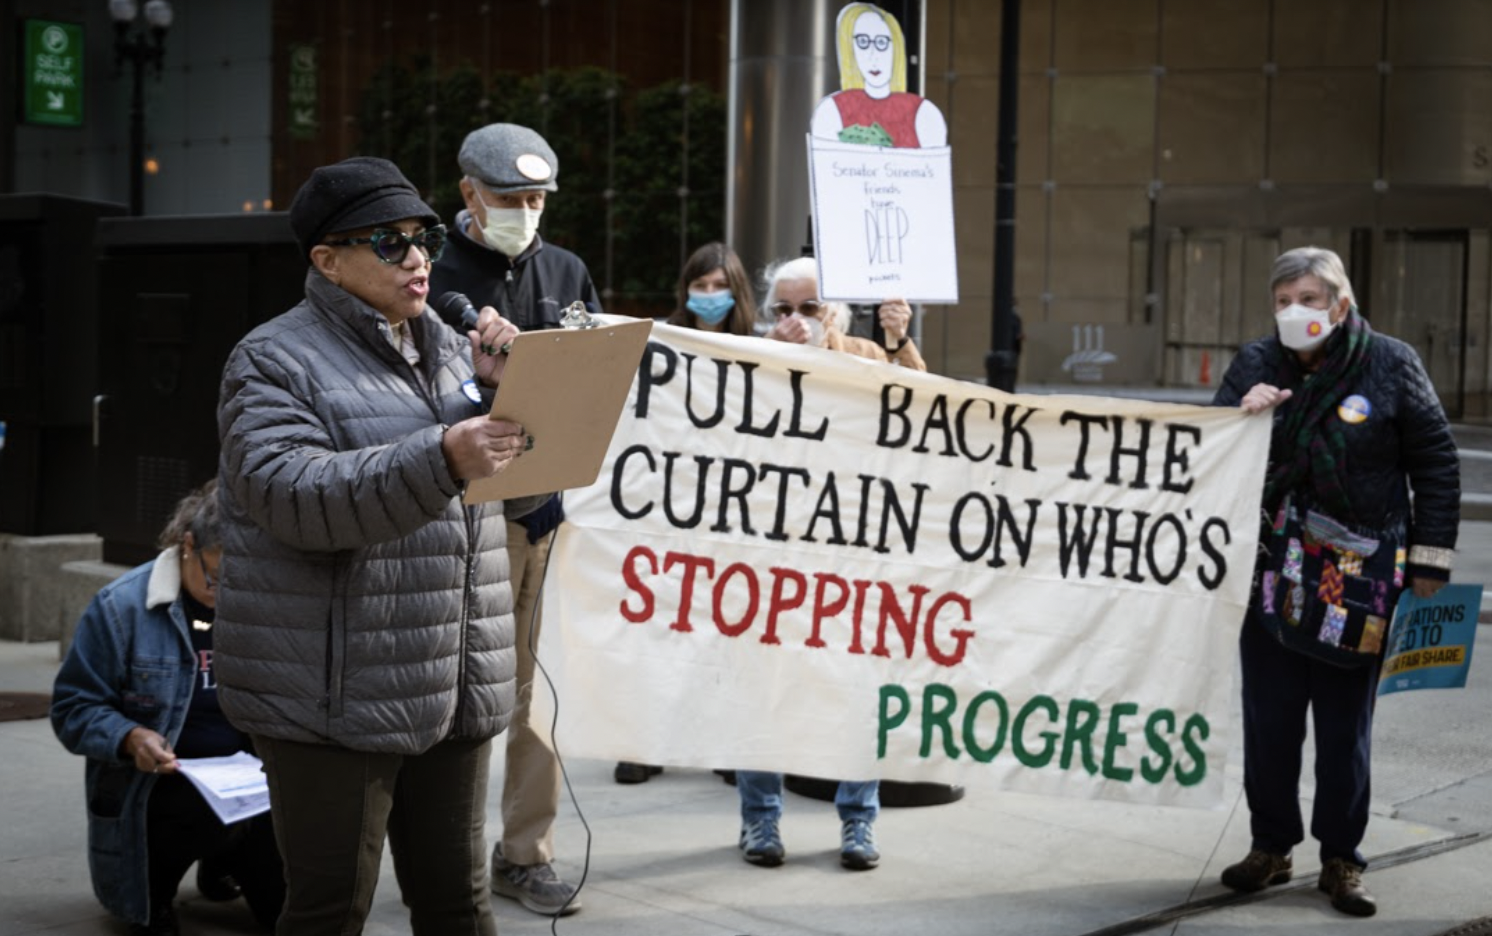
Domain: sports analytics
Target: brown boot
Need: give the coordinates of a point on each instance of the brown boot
(1343, 881)
(1257, 871)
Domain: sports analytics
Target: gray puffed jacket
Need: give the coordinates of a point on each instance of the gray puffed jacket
(361, 604)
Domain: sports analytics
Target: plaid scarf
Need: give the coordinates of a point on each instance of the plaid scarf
(1309, 443)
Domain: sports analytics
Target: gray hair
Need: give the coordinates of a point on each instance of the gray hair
(197, 514)
(801, 268)
(1319, 262)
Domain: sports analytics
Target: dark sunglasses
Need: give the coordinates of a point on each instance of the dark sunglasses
(393, 246)
(810, 308)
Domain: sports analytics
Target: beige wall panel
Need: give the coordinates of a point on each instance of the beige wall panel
(1212, 127)
(933, 340)
(962, 338)
(1328, 32)
(971, 29)
(1036, 34)
(1439, 32)
(1439, 125)
(1032, 211)
(1106, 35)
(1103, 128)
(938, 32)
(1324, 126)
(1212, 34)
(1090, 242)
(974, 217)
(974, 223)
(973, 129)
(935, 89)
(1034, 132)
(964, 36)
(975, 38)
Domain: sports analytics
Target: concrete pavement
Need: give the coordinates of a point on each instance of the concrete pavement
(662, 859)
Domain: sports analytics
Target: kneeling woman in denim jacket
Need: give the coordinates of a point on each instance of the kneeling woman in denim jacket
(136, 692)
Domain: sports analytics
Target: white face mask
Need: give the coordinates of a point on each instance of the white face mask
(815, 329)
(509, 230)
(1303, 328)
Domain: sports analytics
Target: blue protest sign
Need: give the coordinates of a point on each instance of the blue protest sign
(1429, 642)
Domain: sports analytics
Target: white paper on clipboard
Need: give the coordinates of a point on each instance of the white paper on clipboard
(566, 387)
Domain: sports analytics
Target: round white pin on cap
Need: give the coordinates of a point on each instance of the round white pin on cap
(533, 167)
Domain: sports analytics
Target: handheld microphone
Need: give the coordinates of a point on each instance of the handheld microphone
(455, 306)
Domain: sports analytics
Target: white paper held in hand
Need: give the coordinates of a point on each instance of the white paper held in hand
(234, 786)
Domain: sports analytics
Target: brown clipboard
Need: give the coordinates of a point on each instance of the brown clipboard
(566, 387)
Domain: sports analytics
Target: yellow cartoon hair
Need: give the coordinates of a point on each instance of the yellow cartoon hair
(849, 73)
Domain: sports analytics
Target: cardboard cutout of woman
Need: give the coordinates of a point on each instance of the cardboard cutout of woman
(874, 108)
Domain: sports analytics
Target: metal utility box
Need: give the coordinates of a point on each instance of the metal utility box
(175, 295)
(48, 362)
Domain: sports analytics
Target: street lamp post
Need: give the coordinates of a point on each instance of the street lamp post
(141, 48)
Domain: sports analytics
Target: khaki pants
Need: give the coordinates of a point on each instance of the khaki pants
(531, 784)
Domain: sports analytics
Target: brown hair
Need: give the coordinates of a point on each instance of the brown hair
(710, 257)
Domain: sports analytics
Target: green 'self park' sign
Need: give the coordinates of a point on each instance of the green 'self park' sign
(303, 94)
(52, 83)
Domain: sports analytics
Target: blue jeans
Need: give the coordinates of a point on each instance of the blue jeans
(761, 797)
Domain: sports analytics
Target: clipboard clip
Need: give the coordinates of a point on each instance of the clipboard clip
(577, 316)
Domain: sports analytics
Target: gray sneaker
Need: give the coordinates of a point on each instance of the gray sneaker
(536, 886)
(857, 845)
(762, 844)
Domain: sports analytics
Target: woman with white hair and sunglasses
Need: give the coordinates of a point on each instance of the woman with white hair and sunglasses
(803, 318)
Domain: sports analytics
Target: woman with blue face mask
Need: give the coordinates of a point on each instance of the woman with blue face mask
(714, 293)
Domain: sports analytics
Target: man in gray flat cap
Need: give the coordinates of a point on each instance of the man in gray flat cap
(495, 257)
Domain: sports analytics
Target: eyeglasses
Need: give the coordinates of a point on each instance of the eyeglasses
(810, 308)
(882, 43)
(209, 578)
(393, 246)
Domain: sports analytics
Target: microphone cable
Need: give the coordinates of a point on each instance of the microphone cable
(533, 650)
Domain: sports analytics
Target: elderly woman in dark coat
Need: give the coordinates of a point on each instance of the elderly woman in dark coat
(1357, 429)
(365, 615)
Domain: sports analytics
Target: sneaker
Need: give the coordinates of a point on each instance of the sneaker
(857, 845)
(1343, 881)
(536, 886)
(214, 884)
(1258, 870)
(762, 844)
(628, 772)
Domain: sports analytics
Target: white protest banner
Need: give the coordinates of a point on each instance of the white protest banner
(802, 561)
(883, 222)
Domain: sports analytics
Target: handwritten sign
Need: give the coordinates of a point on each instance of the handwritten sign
(800, 560)
(883, 222)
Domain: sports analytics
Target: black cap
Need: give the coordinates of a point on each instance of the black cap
(355, 193)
